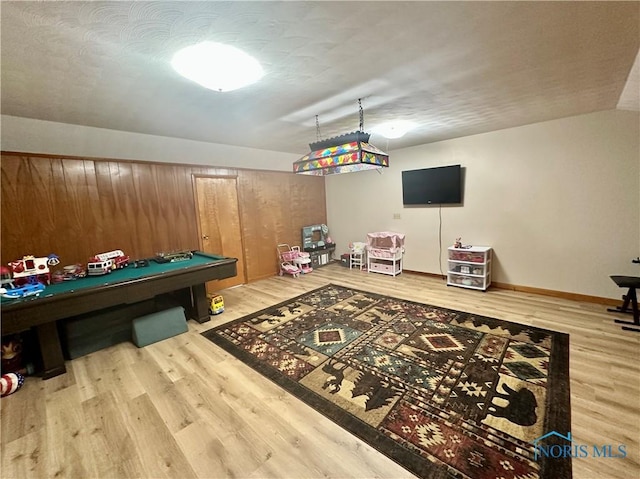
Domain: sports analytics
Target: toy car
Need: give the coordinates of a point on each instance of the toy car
(22, 291)
(217, 305)
(73, 272)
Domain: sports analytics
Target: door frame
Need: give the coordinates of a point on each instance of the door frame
(194, 178)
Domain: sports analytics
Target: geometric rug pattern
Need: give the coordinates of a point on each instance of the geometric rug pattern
(444, 393)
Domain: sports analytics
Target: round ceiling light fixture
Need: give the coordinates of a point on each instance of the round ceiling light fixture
(217, 66)
(395, 129)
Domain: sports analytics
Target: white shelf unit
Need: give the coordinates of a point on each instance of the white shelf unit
(390, 263)
(469, 267)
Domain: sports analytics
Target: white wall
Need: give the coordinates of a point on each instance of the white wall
(37, 136)
(558, 201)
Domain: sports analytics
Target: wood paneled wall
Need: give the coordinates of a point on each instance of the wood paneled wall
(77, 207)
(275, 207)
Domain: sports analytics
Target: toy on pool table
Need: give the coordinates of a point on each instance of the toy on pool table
(22, 291)
(104, 263)
(173, 256)
(69, 273)
(141, 263)
(29, 270)
(6, 278)
(216, 305)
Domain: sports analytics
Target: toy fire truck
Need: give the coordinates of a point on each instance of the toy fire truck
(104, 263)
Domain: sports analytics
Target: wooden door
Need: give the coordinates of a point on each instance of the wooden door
(219, 224)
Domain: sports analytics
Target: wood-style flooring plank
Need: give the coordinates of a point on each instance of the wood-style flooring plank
(113, 450)
(157, 448)
(67, 436)
(25, 457)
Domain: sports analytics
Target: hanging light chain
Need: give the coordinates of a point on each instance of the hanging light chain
(361, 114)
(318, 136)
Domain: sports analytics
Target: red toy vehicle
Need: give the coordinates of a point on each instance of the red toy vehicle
(74, 271)
(104, 263)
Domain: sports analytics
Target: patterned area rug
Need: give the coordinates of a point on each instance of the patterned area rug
(444, 393)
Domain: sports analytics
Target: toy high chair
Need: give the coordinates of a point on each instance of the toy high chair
(357, 255)
(302, 260)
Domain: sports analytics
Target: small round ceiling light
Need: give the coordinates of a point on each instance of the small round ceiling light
(395, 129)
(217, 66)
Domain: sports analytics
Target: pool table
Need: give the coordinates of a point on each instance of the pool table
(183, 279)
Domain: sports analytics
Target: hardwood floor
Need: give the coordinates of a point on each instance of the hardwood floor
(185, 408)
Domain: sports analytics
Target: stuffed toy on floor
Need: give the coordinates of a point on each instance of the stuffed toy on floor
(10, 383)
(13, 368)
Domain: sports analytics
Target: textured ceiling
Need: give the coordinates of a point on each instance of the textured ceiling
(454, 68)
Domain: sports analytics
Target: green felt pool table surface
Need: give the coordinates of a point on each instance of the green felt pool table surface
(183, 280)
(121, 275)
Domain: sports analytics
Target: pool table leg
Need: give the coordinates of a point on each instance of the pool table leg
(200, 303)
(51, 350)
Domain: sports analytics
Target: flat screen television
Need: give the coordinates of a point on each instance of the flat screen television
(432, 186)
